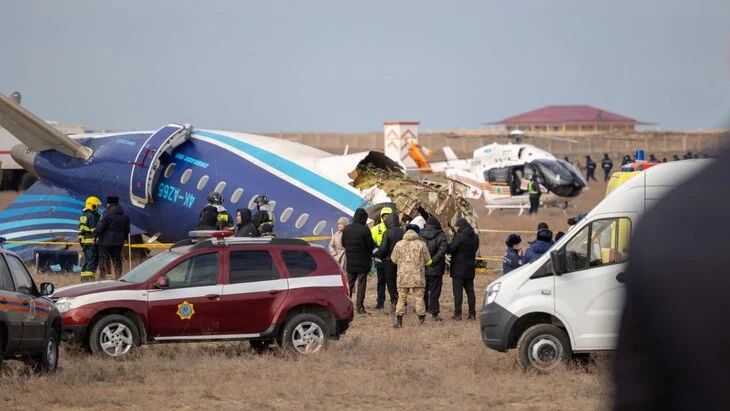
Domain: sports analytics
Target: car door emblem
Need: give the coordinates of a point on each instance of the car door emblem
(185, 310)
(31, 310)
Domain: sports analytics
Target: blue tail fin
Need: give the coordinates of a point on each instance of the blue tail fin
(42, 213)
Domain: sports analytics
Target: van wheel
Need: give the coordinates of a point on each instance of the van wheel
(543, 347)
(304, 334)
(48, 359)
(114, 336)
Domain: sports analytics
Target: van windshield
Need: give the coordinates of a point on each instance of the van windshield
(148, 268)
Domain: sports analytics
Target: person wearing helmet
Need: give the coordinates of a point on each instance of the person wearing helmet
(377, 233)
(264, 216)
(513, 257)
(87, 223)
(214, 216)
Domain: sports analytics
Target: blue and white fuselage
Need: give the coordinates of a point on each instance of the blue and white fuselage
(309, 186)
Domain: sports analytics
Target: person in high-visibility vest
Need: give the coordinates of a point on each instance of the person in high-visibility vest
(533, 189)
(87, 222)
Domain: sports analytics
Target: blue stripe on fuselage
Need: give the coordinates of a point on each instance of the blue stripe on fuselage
(301, 174)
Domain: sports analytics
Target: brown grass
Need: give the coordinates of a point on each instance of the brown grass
(434, 366)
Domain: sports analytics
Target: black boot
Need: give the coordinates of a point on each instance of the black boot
(422, 319)
(436, 317)
(398, 321)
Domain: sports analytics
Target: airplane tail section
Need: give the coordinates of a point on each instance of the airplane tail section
(36, 133)
(43, 213)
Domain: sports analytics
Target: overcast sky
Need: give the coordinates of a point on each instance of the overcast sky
(267, 66)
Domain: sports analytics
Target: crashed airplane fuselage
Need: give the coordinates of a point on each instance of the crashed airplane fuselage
(163, 179)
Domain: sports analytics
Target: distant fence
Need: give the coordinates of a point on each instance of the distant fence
(659, 143)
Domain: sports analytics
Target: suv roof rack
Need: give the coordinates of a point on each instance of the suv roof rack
(207, 239)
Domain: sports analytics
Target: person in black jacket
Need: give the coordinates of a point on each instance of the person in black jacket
(606, 165)
(244, 226)
(672, 337)
(437, 245)
(463, 249)
(393, 233)
(111, 233)
(359, 248)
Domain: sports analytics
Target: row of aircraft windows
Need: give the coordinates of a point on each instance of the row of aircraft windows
(236, 196)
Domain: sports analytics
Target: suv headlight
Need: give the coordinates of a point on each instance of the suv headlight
(64, 304)
(492, 291)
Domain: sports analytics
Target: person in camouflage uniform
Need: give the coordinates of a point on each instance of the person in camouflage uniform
(410, 255)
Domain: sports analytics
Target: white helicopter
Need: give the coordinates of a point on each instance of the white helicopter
(500, 173)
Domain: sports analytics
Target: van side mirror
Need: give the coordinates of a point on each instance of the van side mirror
(162, 282)
(557, 260)
(47, 289)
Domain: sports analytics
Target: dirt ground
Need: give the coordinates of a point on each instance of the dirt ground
(432, 366)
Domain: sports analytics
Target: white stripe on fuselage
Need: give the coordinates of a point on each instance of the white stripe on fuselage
(279, 174)
(323, 281)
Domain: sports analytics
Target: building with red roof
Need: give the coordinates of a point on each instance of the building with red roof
(569, 119)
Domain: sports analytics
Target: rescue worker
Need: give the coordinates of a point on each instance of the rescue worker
(606, 165)
(337, 251)
(377, 232)
(410, 255)
(264, 214)
(359, 248)
(393, 234)
(675, 158)
(688, 156)
(87, 223)
(540, 246)
(513, 257)
(111, 233)
(590, 169)
(214, 216)
(533, 189)
(463, 249)
(244, 226)
(653, 159)
(437, 244)
(567, 160)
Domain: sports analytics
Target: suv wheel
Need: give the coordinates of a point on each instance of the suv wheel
(543, 347)
(48, 359)
(305, 334)
(114, 336)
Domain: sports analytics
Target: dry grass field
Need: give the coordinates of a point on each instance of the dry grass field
(433, 366)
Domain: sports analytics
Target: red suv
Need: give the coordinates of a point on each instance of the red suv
(257, 289)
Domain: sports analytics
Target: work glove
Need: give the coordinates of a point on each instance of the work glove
(429, 263)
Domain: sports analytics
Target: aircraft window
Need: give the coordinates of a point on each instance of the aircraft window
(319, 227)
(236, 195)
(498, 175)
(301, 220)
(186, 176)
(286, 214)
(202, 182)
(169, 170)
(220, 186)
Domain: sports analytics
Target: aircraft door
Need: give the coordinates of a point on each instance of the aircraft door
(145, 168)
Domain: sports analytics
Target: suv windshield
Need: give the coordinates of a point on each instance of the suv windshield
(148, 268)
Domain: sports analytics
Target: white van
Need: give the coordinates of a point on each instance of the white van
(570, 300)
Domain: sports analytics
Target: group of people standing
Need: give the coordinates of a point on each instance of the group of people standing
(102, 238)
(214, 216)
(409, 260)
